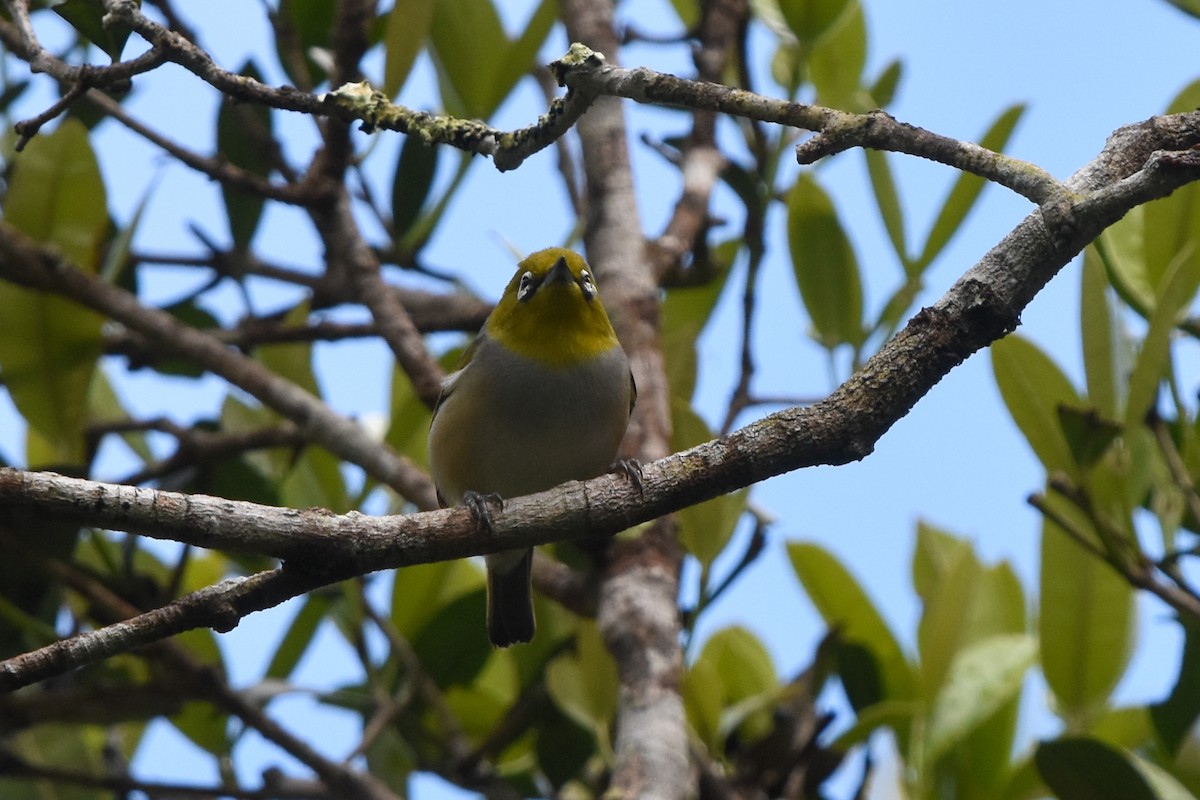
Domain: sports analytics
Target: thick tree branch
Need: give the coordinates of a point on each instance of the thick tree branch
(1140, 163)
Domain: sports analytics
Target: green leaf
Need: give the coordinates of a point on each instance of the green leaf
(982, 678)
(563, 747)
(1126, 727)
(87, 17)
(1086, 624)
(521, 56)
(966, 603)
(688, 12)
(453, 646)
(685, 313)
(1122, 251)
(884, 88)
(56, 195)
(205, 725)
(966, 189)
(1088, 434)
(888, 202)
(843, 604)
(1086, 769)
(407, 28)
(415, 170)
(246, 139)
(936, 552)
(897, 715)
(1034, 388)
(1099, 331)
(315, 481)
(836, 63)
(942, 631)
(1175, 294)
(49, 346)
(824, 264)
(1172, 224)
(703, 699)
(584, 683)
(419, 591)
(1164, 785)
(74, 747)
(298, 637)
(705, 528)
(480, 706)
(1174, 717)
(302, 27)
(811, 19)
(743, 668)
(1191, 7)
(478, 63)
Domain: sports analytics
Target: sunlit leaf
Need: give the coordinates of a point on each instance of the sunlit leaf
(703, 699)
(743, 669)
(475, 57)
(824, 264)
(842, 603)
(1098, 329)
(685, 313)
(1172, 224)
(205, 725)
(1086, 624)
(49, 346)
(1175, 293)
(407, 28)
(584, 683)
(705, 528)
(811, 19)
(1034, 388)
(836, 63)
(884, 88)
(966, 189)
(981, 679)
(888, 201)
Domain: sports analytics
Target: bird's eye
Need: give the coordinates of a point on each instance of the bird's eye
(525, 287)
(587, 285)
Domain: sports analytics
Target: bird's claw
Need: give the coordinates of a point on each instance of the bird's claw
(631, 469)
(480, 506)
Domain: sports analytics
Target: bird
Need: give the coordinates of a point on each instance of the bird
(541, 396)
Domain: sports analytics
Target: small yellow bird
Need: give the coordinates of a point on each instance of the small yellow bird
(542, 396)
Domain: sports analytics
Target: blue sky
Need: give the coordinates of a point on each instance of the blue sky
(1084, 68)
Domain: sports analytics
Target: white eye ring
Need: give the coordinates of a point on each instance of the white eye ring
(525, 286)
(587, 285)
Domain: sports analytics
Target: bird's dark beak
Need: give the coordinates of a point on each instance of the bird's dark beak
(560, 272)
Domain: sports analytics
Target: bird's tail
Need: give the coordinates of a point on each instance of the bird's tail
(510, 600)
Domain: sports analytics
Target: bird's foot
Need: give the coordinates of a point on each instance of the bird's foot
(480, 506)
(631, 469)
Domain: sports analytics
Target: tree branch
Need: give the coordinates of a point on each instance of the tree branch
(1140, 163)
(39, 267)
